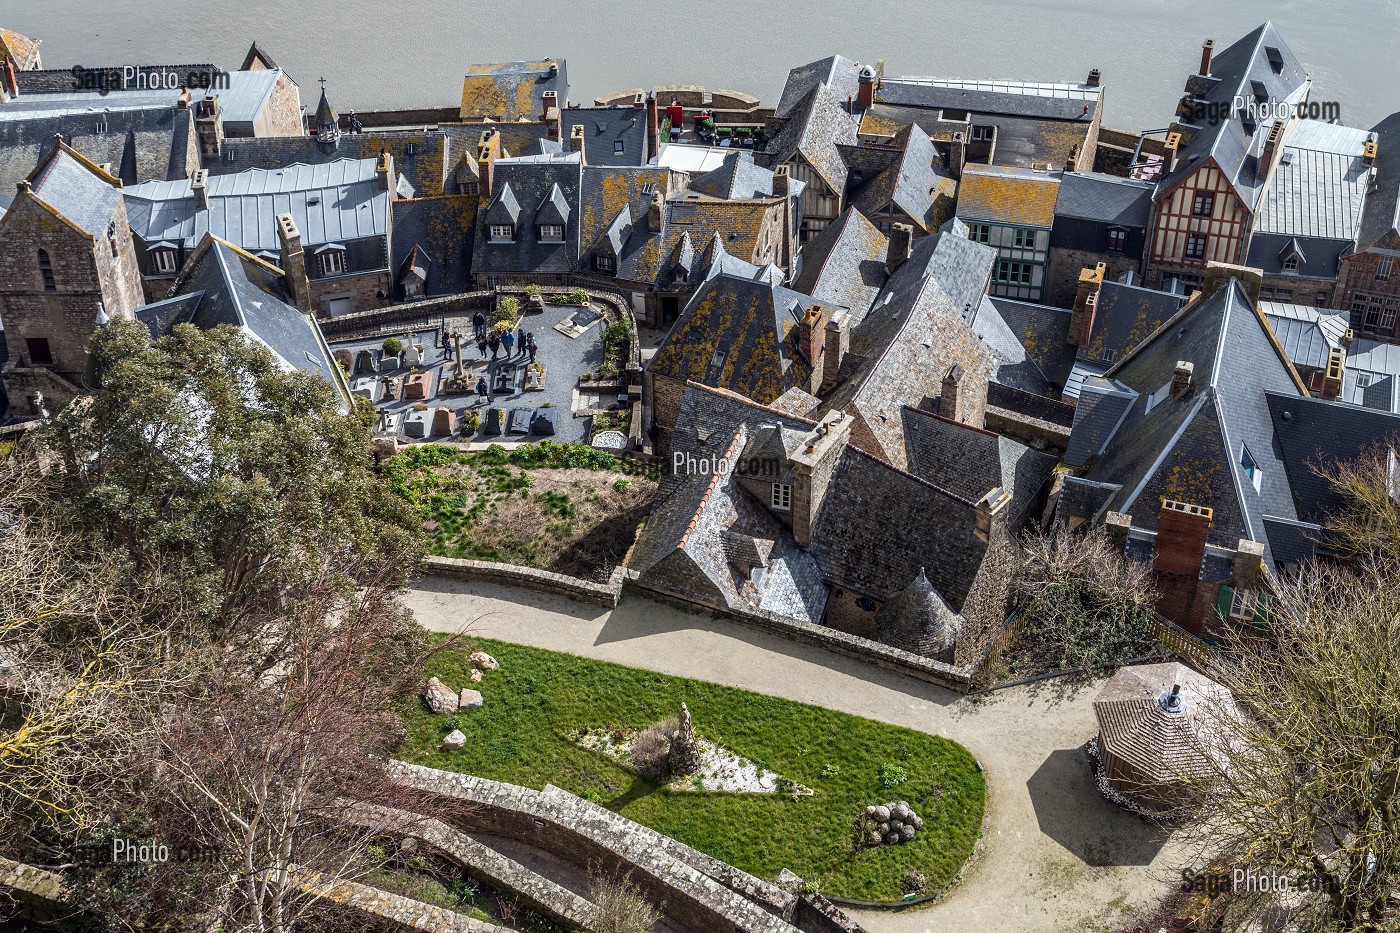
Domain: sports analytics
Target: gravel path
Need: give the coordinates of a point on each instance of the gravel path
(1054, 855)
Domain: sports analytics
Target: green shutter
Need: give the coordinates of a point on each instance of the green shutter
(1222, 603)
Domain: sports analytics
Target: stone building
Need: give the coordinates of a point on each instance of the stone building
(1098, 219)
(19, 52)
(67, 264)
(1368, 286)
(1013, 211)
(807, 138)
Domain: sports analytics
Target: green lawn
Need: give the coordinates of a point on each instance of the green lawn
(538, 696)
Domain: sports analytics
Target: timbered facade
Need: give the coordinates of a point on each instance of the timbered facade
(1200, 220)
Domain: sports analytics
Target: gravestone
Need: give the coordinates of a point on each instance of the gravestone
(418, 386)
(504, 381)
(444, 422)
(495, 421)
(364, 361)
(366, 387)
(412, 355)
(416, 423)
(393, 388)
(543, 422)
(387, 363)
(520, 420)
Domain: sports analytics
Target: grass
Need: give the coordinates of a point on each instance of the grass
(539, 697)
(557, 507)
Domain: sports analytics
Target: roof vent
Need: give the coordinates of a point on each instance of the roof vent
(1172, 702)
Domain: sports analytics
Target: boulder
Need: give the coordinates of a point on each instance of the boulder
(454, 741)
(483, 661)
(470, 699)
(882, 814)
(440, 697)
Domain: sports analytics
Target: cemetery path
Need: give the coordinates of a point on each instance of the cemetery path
(1054, 855)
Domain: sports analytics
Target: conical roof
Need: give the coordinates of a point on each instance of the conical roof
(919, 621)
(325, 113)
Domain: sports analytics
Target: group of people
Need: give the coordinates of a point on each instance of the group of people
(521, 342)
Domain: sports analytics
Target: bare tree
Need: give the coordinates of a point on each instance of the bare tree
(1367, 526)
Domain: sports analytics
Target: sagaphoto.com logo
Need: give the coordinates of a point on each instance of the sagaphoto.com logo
(1260, 111)
(148, 78)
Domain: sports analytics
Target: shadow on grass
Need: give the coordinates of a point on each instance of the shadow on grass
(639, 788)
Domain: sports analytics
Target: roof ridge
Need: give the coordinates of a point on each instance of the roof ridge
(853, 449)
(735, 396)
(937, 416)
(715, 477)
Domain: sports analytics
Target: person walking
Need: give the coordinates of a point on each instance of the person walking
(531, 346)
(495, 346)
(479, 322)
(483, 391)
(508, 341)
(481, 345)
(520, 338)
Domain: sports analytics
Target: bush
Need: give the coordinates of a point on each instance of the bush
(533, 291)
(507, 308)
(892, 775)
(501, 328)
(577, 297)
(393, 346)
(651, 750)
(619, 905)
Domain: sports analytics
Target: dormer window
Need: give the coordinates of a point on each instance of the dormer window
(1291, 264)
(552, 233)
(46, 272)
(1250, 467)
(605, 264)
(1117, 240)
(501, 233)
(164, 261)
(781, 498)
(333, 262)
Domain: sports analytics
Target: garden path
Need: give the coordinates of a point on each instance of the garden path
(1054, 855)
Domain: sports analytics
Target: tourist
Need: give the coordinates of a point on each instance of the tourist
(531, 346)
(508, 340)
(481, 345)
(479, 322)
(520, 340)
(483, 391)
(495, 345)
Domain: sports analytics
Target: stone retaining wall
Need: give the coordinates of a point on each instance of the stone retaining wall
(38, 893)
(697, 891)
(406, 912)
(599, 594)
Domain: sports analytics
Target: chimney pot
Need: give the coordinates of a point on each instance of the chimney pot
(1181, 377)
(199, 187)
(1207, 52)
(1095, 78)
(865, 89)
(576, 141)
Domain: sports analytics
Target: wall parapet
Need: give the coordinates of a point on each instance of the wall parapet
(602, 594)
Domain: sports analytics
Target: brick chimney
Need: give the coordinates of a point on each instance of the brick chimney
(834, 349)
(809, 339)
(957, 154)
(1273, 148)
(992, 515)
(812, 466)
(1219, 274)
(553, 117)
(209, 126)
(1086, 301)
(1207, 53)
(901, 246)
(1073, 161)
(865, 92)
(183, 101)
(488, 150)
(1249, 565)
(1172, 144)
(950, 404)
(384, 172)
(1328, 382)
(782, 182)
(653, 126)
(11, 81)
(1181, 377)
(1182, 530)
(655, 209)
(1095, 78)
(199, 187)
(1369, 151)
(293, 262)
(576, 140)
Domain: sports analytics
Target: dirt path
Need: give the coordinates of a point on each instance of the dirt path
(1054, 855)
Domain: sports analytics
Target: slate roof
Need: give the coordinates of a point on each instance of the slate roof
(51, 93)
(604, 128)
(1318, 187)
(916, 183)
(919, 621)
(529, 183)
(1312, 432)
(76, 191)
(1232, 143)
(222, 284)
(331, 203)
(1190, 448)
(971, 462)
(1124, 317)
(813, 129)
(1043, 100)
(737, 178)
(1107, 199)
(738, 334)
(426, 169)
(1161, 746)
(962, 268)
(1028, 341)
(1372, 374)
(505, 92)
(20, 49)
(443, 228)
(1007, 195)
(844, 265)
(1102, 406)
(1380, 220)
(155, 142)
(837, 73)
(1308, 334)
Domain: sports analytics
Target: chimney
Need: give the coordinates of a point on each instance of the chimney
(782, 182)
(1273, 148)
(1086, 301)
(834, 349)
(992, 515)
(1249, 565)
(553, 117)
(182, 102)
(809, 340)
(576, 140)
(639, 101)
(1180, 549)
(209, 125)
(1207, 53)
(1368, 153)
(488, 150)
(957, 154)
(1118, 525)
(901, 246)
(1181, 378)
(384, 171)
(11, 80)
(1328, 383)
(1171, 145)
(293, 262)
(1073, 159)
(865, 92)
(1095, 78)
(812, 466)
(554, 69)
(950, 403)
(1220, 273)
(199, 186)
(654, 211)
(653, 126)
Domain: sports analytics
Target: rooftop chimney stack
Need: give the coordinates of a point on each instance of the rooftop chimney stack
(209, 125)
(1177, 555)
(1172, 144)
(384, 171)
(554, 69)
(901, 246)
(488, 149)
(576, 141)
(812, 467)
(1368, 153)
(553, 118)
(654, 211)
(1273, 148)
(992, 515)
(1073, 161)
(1207, 53)
(199, 187)
(1181, 378)
(865, 91)
(950, 403)
(653, 126)
(957, 154)
(837, 344)
(809, 339)
(10, 83)
(1086, 301)
(1095, 78)
(293, 262)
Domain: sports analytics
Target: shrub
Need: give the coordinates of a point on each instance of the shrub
(892, 775)
(619, 905)
(622, 485)
(393, 346)
(501, 328)
(470, 422)
(577, 297)
(507, 307)
(533, 291)
(651, 750)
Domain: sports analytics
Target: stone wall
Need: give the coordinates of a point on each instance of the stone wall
(407, 913)
(363, 288)
(542, 581)
(1062, 273)
(283, 112)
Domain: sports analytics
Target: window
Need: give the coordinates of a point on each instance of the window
(982, 133)
(1290, 264)
(1117, 240)
(39, 352)
(1107, 356)
(618, 147)
(332, 262)
(1022, 239)
(501, 233)
(1250, 467)
(1387, 321)
(1320, 300)
(1203, 205)
(468, 187)
(1196, 246)
(782, 496)
(605, 263)
(1383, 269)
(981, 232)
(1158, 397)
(1249, 607)
(1373, 312)
(46, 272)
(553, 233)
(954, 116)
(1013, 273)
(164, 261)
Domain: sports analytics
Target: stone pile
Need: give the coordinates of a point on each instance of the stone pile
(891, 824)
